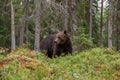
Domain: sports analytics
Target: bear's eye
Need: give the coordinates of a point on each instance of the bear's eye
(58, 37)
(62, 40)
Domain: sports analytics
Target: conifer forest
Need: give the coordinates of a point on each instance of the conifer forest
(59, 39)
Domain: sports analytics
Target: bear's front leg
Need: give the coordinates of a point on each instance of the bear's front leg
(54, 51)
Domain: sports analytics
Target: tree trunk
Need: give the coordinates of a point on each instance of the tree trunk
(65, 3)
(110, 25)
(84, 11)
(24, 22)
(118, 37)
(118, 27)
(26, 12)
(12, 27)
(101, 23)
(22, 29)
(37, 25)
(74, 19)
(90, 24)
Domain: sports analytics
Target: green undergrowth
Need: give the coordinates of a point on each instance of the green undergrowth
(94, 64)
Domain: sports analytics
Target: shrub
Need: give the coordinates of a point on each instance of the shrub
(20, 65)
(81, 41)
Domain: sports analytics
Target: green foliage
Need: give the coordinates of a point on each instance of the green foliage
(16, 72)
(94, 64)
(82, 12)
(109, 51)
(82, 41)
(4, 30)
(18, 65)
(89, 65)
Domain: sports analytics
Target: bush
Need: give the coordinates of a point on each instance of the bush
(109, 51)
(81, 41)
(94, 64)
(21, 64)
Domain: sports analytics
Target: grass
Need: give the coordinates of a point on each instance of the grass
(94, 64)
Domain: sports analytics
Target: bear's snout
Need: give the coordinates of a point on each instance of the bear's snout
(57, 41)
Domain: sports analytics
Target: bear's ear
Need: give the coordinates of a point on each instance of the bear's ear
(65, 31)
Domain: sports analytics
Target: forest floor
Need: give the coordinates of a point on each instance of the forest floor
(94, 64)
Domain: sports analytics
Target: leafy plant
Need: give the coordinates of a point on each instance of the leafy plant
(82, 41)
(94, 64)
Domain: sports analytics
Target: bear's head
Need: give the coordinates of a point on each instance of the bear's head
(61, 37)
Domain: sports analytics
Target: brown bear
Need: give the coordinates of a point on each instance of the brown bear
(56, 44)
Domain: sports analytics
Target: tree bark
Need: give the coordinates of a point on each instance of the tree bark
(84, 11)
(118, 26)
(37, 25)
(26, 12)
(12, 27)
(90, 24)
(22, 29)
(24, 22)
(101, 23)
(118, 37)
(110, 25)
(65, 3)
(74, 19)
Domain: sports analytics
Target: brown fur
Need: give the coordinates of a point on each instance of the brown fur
(56, 44)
